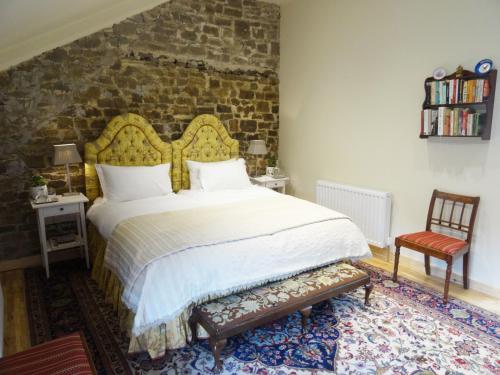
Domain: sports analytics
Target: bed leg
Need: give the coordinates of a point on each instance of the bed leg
(193, 325)
(217, 347)
(368, 290)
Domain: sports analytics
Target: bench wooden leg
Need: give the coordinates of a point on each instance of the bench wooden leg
(305, 313)
(396, 264)
(368, 290)
(332, 304)
(217, 347)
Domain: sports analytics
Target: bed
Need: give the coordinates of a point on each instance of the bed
(154, 290)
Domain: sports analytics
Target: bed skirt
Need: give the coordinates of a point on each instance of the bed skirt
(155, 341)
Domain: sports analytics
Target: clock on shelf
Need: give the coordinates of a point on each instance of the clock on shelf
(483, 66)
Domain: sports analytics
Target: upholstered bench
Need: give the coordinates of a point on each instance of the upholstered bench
(67, 355)
(239, 312)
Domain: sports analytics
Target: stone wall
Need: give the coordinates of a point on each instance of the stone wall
(168, 64)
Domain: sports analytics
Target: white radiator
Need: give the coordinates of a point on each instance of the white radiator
(369, 209)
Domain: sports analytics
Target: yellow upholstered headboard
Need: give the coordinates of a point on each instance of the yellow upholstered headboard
(127, 140)
(205, 139)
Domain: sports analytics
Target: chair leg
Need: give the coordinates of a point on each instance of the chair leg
(396, 264)
(466, 271)
(447, 280)
(427, 265)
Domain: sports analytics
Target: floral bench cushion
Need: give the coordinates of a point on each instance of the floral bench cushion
(247, 305)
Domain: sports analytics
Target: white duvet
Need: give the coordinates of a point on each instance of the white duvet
(171, 283)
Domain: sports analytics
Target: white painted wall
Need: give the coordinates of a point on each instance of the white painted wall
(352, 75)
(30, 27)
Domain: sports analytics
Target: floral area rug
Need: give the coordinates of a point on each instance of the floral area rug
(406, 330)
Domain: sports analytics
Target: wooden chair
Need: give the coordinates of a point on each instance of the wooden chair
(439, 245)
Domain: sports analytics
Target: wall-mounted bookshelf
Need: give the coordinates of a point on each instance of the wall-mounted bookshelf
(459, 105)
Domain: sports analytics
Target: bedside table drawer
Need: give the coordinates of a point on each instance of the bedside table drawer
(61, 210)
(275, 184)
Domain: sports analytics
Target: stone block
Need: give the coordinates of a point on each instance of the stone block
(263, 106)
(223, 108)
(212, 30)
(242, 29)
(246, 94)
(248, 126)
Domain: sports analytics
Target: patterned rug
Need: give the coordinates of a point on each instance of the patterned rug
(406, 330)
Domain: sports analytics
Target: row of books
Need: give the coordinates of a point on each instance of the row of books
(456, 91)
(451, 122)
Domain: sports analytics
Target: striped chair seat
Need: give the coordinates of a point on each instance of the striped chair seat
(436, 241)
(67, 355)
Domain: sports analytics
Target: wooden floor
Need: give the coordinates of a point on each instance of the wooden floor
(473, 297)
(16, 331)
(16, 320)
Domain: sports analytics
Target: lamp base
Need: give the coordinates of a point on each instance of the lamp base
(70, 193)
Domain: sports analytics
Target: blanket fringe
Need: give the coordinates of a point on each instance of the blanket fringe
(228, 291)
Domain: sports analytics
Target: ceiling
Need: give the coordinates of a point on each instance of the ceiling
(30, 27)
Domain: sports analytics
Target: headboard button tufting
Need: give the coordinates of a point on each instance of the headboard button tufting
(124, 139)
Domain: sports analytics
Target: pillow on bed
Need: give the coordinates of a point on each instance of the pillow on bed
(194, 171)
(223, 176)
(121, 184)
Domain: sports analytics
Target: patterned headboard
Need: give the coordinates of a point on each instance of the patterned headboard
(205, 139)
(127, 140)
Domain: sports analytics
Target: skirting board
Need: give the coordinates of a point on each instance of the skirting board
(36, 260)
(381, 253)
(388, 256)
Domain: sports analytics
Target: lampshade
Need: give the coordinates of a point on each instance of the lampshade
(257, 147)
(66, 154)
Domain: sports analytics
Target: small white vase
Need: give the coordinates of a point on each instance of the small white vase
(39, 192)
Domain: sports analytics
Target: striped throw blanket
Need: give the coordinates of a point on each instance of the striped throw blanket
(141, 240)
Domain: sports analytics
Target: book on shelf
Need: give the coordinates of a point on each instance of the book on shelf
(451, 122)
(458, 91)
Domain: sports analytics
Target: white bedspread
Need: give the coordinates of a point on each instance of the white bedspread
(172, 283)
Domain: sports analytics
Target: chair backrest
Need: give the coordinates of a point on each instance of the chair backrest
(459, 217)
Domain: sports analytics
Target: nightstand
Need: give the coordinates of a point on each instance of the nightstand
(278, 183)
(69, 205)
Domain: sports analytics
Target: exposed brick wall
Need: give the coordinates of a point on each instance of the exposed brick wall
(168, 64)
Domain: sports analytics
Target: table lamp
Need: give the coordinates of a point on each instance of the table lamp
(257, 147)
(67, 154)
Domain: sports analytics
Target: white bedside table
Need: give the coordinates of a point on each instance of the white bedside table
(271, 182)
(65, 205)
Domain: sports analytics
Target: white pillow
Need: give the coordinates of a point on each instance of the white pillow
(121, 184)
(224, 176)
(194, 171)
